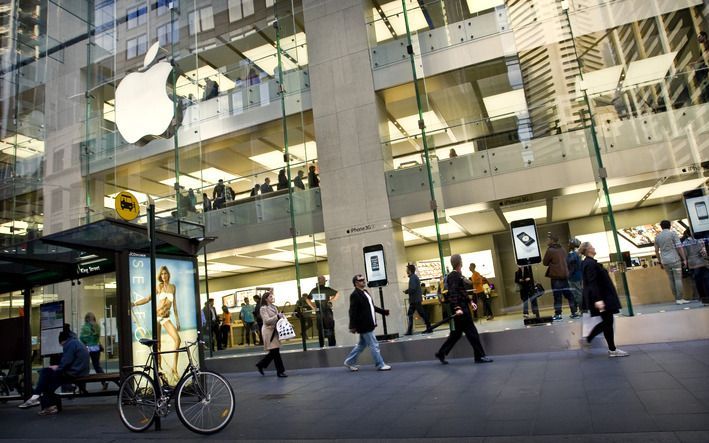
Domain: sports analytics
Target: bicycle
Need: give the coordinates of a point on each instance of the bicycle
(204, 400)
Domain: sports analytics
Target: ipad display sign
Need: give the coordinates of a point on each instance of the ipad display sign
(697, 206)
(375, 266)
(525, 241)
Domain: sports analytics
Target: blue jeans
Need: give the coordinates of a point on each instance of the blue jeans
(559, 288)
(366, 339)
(49, 381)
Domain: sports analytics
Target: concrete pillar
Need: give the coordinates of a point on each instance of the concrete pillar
(348, 116)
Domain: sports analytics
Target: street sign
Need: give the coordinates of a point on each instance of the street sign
(127, 206)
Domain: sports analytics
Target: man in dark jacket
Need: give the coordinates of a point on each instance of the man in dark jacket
(460, 304)
(74, 363)
(558, 273)
(415, 299)
(363, 321)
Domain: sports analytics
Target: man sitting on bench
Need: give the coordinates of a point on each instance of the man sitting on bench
(74, 363)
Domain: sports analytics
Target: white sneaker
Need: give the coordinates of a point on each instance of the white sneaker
(386, 367)
(617, 353)
(352, 368)
(682, 301)
(29, 403)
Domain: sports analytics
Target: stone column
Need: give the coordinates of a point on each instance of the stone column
(348, 116)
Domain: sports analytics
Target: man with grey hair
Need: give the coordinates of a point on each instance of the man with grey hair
(460, 304)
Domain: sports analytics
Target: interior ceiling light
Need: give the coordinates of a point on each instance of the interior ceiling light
(535, 212)
(648, 71)
(294, 48)
(600, 81)
(508, 104)
(410, 124)
(483, 5)
(271, 160)
(192, 82)
(394, 13)
(21, 146)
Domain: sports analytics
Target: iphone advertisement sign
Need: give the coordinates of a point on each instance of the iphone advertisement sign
(697, 205)
(525, 241)
(374, 266)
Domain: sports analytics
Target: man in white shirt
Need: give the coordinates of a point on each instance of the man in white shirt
(363, 321)
(672, 258)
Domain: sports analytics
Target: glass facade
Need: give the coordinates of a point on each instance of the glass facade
(434, 126)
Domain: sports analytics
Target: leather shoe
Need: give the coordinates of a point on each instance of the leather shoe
(441, 357)
(282, 375)
(484, 360)
(260, 369)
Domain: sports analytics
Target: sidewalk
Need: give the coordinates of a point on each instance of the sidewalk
(659, 393)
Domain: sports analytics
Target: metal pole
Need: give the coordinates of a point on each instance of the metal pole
(153, 290)
(384, 317)
(27, 339)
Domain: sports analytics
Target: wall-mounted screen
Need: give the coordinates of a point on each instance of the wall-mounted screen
(375, 266)
(643, 236)
(697, 206)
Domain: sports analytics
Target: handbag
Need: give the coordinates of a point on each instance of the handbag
(588, 323)
(285, 329)
(538, 290)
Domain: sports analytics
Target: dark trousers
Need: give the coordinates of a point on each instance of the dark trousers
(49, 381)
(561, 288)
(326, 328)
(701, 280)
(463, 324)
(224, 331)
(215, 335)
(487, 303)
(417, 307)
(275, 356)
(96, 361)
(605, 326)
(528, 297)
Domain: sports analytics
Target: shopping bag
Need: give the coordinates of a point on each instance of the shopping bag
(588, 323)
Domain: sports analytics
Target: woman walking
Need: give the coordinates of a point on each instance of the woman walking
(270, 316)
(601, 298)
(90, 335)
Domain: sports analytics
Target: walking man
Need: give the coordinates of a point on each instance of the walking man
(415, 299)
(363, 322)
(460, 304)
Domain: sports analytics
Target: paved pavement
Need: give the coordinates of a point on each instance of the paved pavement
(660, 393)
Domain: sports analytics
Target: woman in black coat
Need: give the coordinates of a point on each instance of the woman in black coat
(601, 299)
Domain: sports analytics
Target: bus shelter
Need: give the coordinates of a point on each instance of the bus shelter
(106, 246)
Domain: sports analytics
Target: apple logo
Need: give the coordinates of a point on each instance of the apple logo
(143, 109)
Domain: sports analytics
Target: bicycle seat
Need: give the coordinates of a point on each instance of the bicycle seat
(147, 341)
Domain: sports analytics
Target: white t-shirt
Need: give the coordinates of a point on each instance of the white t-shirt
(371, 306)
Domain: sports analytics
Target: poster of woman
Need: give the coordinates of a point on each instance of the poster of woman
(176, 310)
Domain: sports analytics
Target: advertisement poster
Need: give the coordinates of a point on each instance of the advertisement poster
(51, 323)
(697, 205)
(176, 310)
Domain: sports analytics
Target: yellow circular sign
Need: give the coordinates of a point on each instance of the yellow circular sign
(127, 206)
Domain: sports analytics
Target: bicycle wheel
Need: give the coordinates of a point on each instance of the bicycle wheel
(137, 401)
(205, 402)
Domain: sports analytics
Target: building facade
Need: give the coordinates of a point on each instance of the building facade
(426, 127)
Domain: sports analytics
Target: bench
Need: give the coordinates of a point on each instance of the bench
(80, 382)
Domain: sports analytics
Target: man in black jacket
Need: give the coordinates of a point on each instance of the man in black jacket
(460, 304)
(363, 321)
(415, 300)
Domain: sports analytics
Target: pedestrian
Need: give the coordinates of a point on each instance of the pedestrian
(282, 180)
(363, 321)
(206, 204)
(257, 317)
(460, 305)
(479, 292)
(696, 254)
(573, 263)
(672, 258)
(525, 279)
(323, 297)
(266, 186)
(225, 328)
(601, 299)
(74, 363)
(313, 180)
(247, 316)
(415, 300)
(90, 336)
(270, 315)
(211, 324)
(298, 181)
(558, 273)
(219, 195)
